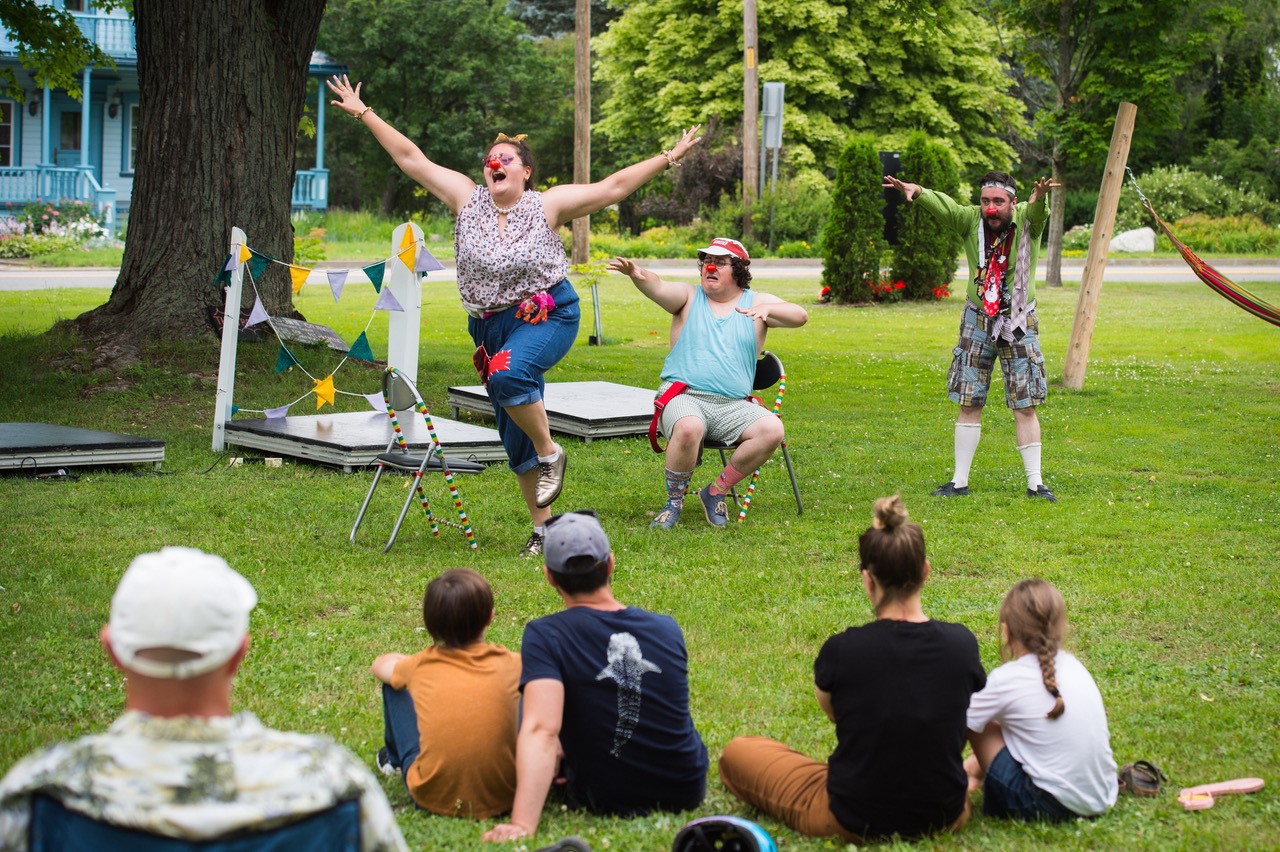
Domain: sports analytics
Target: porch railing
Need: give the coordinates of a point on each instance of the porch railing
(25, 184)
(311, 189)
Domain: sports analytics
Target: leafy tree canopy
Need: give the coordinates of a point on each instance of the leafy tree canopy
(50, 46)
(555, 17)
(449, 75)
(880, 67)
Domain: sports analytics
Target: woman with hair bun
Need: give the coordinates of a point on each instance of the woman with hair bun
(513, 279)
(1041, 749)
(897, 690)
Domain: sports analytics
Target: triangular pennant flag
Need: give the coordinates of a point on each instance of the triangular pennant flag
(324, 391)
(231, 263)
(375, 274)
(337, 280)
(245, 254)
(387, 302)
(360, 349)
(258, 265)
(257, 315)
(277, 413)
(377, 401)
(284, 360)
(408, 246)
(298, 274)
(427, 262)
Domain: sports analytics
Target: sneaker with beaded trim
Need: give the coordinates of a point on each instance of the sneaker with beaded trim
(533, 547)
(1042, 492)
(950, 490)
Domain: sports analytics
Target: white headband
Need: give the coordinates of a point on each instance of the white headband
(1009, 189)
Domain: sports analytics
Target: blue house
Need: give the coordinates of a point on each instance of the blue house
(54, 148)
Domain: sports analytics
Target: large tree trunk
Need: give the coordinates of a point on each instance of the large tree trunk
(222, 87)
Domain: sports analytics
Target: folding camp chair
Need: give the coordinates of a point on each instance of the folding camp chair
(400, 394)
(769, 372)
(56, 828)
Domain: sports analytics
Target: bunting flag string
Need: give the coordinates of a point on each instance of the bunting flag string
(413, 253)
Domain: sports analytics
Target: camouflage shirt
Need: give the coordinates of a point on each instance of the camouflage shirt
(196, 778)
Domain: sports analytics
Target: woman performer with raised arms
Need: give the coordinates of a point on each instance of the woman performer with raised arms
(513, 280)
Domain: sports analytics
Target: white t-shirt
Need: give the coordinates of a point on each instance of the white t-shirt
(1068, 757)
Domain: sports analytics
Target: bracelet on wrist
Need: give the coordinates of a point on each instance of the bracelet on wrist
(360, 115)
(672, 162)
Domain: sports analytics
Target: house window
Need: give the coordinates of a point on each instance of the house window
(132, 148)
(6, 133)
(74, 5)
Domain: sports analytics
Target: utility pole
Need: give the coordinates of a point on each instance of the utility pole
(750, 112)
(581, 251)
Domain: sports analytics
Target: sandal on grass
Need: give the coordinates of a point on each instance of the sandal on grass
(1202, 797)
(1141, 778)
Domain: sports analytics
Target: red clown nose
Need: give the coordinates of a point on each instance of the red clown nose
(494, 164)
(991, 211)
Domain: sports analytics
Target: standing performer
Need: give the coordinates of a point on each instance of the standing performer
(513, 280)
(999, 316)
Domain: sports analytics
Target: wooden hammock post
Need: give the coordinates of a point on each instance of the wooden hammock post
(1104, 218)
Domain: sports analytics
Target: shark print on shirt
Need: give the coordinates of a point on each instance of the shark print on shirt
(626, 668)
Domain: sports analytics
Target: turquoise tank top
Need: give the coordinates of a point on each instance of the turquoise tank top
(715, 354)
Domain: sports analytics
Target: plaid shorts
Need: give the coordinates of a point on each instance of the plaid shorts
(1021, 363)
(724, 417)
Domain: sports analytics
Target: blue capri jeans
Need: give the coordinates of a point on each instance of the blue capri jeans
(534, 350)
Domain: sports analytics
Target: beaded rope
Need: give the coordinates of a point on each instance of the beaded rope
(755, 477)
(463, 523)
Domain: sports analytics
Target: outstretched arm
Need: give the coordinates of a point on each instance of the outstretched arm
(568, 201)
(775, 313)
(671, 295)
(452, 188)
(537, 748)
(909, 190)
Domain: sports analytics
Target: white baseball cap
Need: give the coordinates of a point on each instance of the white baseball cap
(180, 599)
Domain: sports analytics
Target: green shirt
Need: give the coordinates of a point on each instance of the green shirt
(964, 220)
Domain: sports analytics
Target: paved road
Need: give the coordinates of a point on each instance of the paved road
(1144, 271)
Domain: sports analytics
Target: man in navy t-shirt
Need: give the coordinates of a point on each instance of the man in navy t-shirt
(608, 684)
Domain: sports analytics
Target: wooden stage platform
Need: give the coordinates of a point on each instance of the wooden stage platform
(41, 446)
(350, 441)
(585, 409)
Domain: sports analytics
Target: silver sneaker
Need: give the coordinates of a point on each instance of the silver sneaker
(532, 547)
(550, 480)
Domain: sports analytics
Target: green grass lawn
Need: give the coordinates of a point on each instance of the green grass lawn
(1164, 539)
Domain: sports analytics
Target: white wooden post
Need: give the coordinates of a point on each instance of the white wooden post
(404, 328)
(230, 337)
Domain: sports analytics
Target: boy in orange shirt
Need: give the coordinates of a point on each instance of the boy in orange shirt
(450, 711)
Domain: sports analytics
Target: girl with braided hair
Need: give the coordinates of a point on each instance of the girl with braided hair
(1041, 749)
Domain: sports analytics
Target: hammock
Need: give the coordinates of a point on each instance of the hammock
(1216, 281)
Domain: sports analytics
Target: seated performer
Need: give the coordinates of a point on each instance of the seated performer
(717, 334)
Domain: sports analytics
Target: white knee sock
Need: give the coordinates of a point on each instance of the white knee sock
(967, 435)
(1031, 461)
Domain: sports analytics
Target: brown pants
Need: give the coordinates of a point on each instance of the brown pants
(788, 786)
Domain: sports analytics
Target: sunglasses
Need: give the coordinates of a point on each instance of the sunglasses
(713, 259)
(494, 160)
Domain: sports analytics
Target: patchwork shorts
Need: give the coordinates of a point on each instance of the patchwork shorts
(725, 418)
(1021, 363)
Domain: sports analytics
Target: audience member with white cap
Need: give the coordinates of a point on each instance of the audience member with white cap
(178, 763)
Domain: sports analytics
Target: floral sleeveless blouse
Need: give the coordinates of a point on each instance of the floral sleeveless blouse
(499, 269)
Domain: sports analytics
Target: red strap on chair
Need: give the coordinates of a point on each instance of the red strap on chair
(660, 403)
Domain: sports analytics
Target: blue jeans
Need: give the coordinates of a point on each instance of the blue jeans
(1009, 793)
(534, 349)
(400, 730)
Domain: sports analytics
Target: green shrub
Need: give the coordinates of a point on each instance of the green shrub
(34, 245)
(66, 218)
(1254, 167)
(927, 255)
(1079, 205)
(1223, 235)
(309, 250)
(793, 212)
(853, 238)
(1178, 192)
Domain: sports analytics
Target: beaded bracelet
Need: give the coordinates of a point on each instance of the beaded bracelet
(361, 113)
(672, 162)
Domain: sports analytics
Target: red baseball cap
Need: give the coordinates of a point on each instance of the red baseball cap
(725, 246)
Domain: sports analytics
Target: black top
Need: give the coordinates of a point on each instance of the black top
(900, 691)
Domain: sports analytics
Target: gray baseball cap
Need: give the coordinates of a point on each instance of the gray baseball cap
(571, 535)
